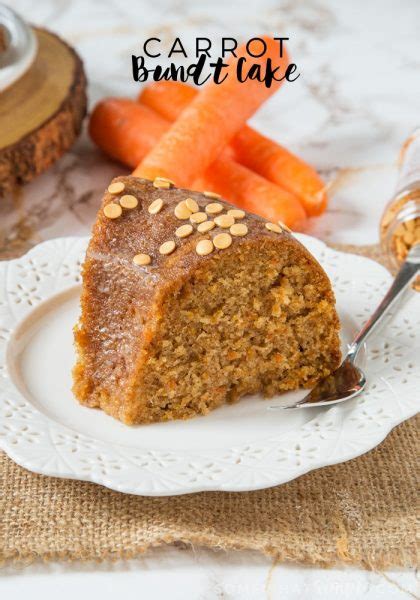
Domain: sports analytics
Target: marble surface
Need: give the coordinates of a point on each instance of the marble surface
(348, 114)
(181, 573)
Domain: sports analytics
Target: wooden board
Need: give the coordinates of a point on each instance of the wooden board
(41, 114)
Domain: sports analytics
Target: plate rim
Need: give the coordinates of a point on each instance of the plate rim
(56, 283)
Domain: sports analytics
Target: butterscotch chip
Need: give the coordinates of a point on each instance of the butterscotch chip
(273, 227)
(184, 231)
(167, 247)
(165, 179)
(222, 241)
(408, 237)
(198, 217)
(192, 205)
(204, 247)
(206, 226)
(116, 188)
(162, 183)
(239, 229)
(112, 210)
(400, 248)
(128, 201)
(214, 208)
(142, 260)
(236, 213)
(182, 211)
(155, 206)
(224, 221)
(211, 194)
(283, 226)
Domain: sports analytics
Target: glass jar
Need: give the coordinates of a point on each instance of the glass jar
(400, 223)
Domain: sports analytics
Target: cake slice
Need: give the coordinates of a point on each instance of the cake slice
(189, 303)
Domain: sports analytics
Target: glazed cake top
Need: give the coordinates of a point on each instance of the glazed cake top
(156, 228)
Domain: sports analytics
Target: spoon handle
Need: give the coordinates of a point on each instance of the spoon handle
(405, 275)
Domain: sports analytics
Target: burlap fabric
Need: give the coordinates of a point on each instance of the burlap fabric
(361, 512)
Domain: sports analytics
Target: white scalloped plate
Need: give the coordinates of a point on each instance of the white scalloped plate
(236, 448)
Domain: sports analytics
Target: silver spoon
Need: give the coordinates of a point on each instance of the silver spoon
(348, 380)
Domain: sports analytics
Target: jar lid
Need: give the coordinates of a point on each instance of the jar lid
(18, 47)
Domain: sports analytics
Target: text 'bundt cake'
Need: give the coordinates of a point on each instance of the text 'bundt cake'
(189, 303)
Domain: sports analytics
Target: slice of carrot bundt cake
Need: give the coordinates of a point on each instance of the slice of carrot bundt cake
(189, 303)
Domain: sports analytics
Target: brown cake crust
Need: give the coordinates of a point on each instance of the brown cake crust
(123, 305)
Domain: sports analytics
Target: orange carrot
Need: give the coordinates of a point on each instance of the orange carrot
(252, 149)
(210, 121)
(127, 131)
(168, 98)
(253, 193)
(280, 166)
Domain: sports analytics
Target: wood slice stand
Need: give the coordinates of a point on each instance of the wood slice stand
(41, 114)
